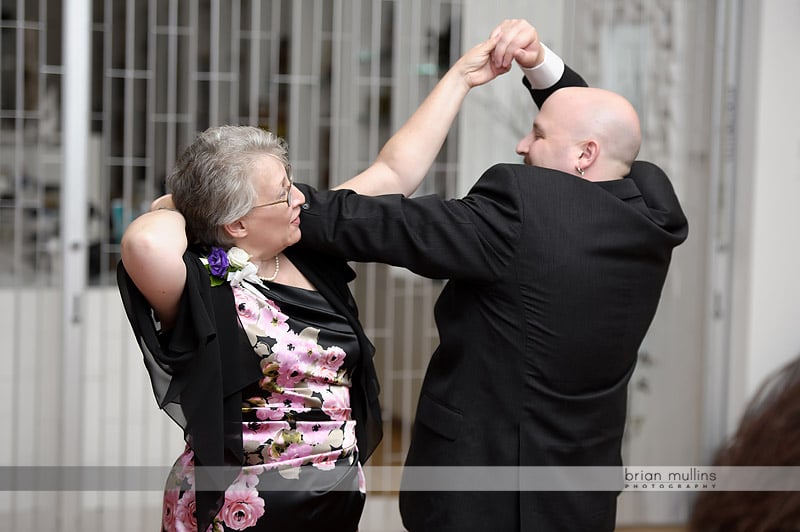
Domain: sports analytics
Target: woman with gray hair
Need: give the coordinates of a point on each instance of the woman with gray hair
(252, 341)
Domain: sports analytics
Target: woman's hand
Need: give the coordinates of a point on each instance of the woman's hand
(163, 202)
(475, 65)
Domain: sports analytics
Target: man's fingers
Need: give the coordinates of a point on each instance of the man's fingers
(514, 35)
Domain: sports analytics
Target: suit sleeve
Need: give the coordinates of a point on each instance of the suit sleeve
(471, 238)
(570, 78)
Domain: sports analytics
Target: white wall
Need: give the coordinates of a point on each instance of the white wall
(119, 423)
(766, 314)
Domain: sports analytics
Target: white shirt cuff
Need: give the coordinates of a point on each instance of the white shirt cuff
(548, 72)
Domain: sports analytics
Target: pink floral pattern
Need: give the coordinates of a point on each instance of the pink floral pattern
(185, 516)
(242, 508)
(301, 378)
(169, 512)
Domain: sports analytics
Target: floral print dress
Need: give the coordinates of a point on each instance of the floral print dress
(302, 468)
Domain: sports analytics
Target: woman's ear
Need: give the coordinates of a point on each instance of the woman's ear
(237, 229)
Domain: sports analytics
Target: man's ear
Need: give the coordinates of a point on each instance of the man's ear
(237, 229)
(591, 150)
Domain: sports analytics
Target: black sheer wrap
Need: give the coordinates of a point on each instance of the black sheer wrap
(197, 371)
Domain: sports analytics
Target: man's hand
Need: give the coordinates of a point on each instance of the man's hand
(516, 40)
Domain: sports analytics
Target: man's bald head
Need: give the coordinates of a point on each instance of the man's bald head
(593, 133)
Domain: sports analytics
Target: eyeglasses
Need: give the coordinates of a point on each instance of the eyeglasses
(286, 197)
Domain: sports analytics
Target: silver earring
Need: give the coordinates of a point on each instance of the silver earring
(579, 169)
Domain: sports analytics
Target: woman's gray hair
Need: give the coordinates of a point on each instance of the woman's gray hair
(211, 184)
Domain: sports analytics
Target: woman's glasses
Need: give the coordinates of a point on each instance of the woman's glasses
(286, 197)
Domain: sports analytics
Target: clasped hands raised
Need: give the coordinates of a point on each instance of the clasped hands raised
(512, 40)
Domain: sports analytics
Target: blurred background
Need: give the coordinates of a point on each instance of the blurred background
(97, 98)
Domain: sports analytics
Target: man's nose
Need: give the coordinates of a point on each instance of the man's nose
(522, 146)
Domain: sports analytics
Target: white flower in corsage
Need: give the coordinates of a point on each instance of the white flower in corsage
(232, 266)
(238, 258)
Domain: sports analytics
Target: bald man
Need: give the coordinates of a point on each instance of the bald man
(592, 133)
(555, 269)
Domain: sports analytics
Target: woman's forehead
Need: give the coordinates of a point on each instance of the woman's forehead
(270, 169)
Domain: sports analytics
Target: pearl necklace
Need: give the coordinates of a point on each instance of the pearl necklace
(277, 269)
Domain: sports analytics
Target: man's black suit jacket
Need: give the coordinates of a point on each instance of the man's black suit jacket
(553, 283)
